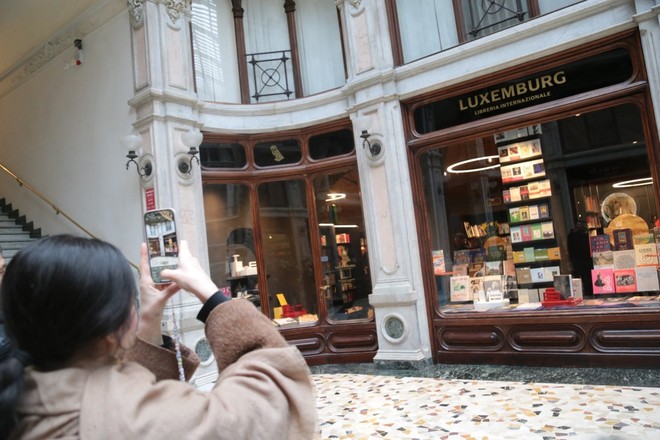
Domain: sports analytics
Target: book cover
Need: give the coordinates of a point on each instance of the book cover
(506, 196)
(460, 269)
(604, 258)
(537, 231)
(625, 280)
(439, 267)
(524, 213)
(477, 255)
(524, 192)
(534, 190)
(526, 233)
(459, 288)
(514, 215)
(599, 243)
(493, 287)
(624, 259)
(564, 285)
(544, 188)
(515, 193)
(493, 268)
(462, 256)
(529, 254)
(643, 238)
(534, 212)
(540, 254)
(578, 290)
(538, 274)
(507, 173)
(548, 230)
(538, 168)
(647, 279)
(524, 275)
(602, 281)
(516, 236)
(623, 239)
(514, 152)
(477, 289)
(550, 272)
(544, 211)
(554, 253)
(503, 153)
(527, 170)
(646, 254)
(519, 257)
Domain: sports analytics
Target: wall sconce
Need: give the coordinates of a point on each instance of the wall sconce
(191, 139)
(132, 143)
(374, 148)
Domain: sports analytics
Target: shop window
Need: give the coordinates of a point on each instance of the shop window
(294, 241)
(268, 154)
(553, 214)
(222, 155)
(344, 260)
(331, 144)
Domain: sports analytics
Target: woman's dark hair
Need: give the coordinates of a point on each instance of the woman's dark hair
(59, 294)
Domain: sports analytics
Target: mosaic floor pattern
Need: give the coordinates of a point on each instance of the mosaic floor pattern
(356, 406)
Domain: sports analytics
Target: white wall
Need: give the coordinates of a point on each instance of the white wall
(59, 132)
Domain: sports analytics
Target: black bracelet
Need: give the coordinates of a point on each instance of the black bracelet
(216, 299)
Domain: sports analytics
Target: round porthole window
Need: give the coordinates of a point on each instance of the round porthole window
(394, 328)
(203, 351)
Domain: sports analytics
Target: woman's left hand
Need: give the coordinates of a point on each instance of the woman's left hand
(153, 299)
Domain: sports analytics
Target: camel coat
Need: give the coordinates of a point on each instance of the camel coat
(264, 390)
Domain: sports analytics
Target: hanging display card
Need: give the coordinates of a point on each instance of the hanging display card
(625, 280)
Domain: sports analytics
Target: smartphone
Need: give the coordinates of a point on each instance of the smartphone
(162, 242)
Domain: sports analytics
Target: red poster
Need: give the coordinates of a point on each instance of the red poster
(150, 198)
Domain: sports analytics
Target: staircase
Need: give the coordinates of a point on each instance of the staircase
(15, 230)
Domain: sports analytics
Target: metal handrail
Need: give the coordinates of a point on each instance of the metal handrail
(56, 208)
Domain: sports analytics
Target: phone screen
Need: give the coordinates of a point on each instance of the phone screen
(162, 242)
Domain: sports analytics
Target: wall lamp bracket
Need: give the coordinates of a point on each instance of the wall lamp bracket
(132, 143)
(374, 148)
(191, 139)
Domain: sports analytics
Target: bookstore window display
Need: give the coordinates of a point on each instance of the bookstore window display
(547, 217)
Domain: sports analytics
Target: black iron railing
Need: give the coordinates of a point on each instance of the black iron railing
(270, 74)
(485, 14)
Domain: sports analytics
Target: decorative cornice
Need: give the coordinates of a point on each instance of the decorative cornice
(176, 7)
(78, 28)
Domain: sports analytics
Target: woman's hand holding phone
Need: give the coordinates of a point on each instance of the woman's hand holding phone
(190, 275)
(153, 299)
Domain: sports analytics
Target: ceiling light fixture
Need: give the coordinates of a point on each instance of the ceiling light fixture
(335, 196)
(452, 168)
(635, 182)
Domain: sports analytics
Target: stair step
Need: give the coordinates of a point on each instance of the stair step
(8, 246)
(10, 229)
(13, 237)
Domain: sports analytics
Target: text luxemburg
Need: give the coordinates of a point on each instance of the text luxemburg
(496, 99)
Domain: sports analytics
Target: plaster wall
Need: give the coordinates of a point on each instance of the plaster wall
(59, 132)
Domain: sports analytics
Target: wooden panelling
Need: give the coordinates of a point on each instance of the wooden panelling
(560, 338)
(313, 344)
(472, 338)
(353, 341)
(632, 339)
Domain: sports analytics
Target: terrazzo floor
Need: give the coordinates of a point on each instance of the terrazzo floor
(368, 406)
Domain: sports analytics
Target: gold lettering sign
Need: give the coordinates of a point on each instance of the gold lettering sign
(514, 94)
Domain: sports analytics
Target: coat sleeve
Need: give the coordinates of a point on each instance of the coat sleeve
(264, 390)
(162, 361)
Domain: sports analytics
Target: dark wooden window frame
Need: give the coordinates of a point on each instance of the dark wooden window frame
(327, 341)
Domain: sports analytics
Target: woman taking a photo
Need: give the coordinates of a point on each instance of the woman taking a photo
(86, 359)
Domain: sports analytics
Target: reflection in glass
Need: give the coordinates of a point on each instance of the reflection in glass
(346, 282)
(284, 220)
(231, 246)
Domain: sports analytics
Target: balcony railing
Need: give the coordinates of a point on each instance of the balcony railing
(493, 14)
(270, 74)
